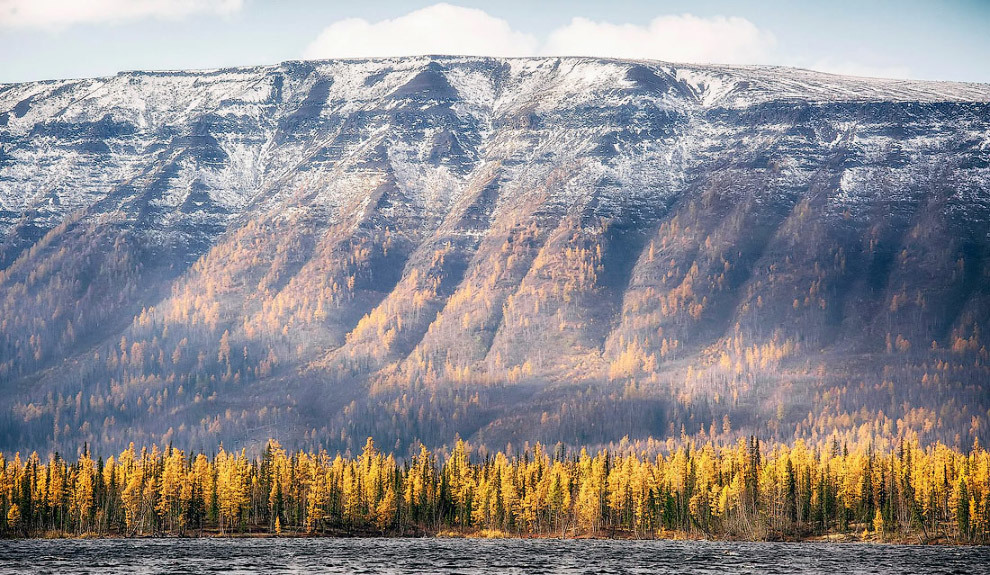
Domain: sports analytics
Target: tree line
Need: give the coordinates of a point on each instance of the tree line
(743, 490)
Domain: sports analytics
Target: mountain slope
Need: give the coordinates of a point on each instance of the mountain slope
(513, 250)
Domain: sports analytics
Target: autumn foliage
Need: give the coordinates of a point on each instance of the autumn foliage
(743, 490)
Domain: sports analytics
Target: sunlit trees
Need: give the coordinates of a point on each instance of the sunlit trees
(231, 486)
(83, 491)
(745, 490)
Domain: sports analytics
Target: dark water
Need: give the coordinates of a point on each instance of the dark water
(450, 556)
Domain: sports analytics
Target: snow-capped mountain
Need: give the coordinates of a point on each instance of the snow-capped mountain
(509, 249)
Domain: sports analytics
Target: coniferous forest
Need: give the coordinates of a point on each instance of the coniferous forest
(747, 490)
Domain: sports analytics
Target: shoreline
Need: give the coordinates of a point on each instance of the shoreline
(911, 540)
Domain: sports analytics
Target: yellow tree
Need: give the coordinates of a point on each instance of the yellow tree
(591, 479)
(460, 479)
(132, 495)
(318, 500)
(82, 491)
(385, 511)
(169, 505)
(231, 488)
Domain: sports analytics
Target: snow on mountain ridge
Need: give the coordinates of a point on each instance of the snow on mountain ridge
(239, 132)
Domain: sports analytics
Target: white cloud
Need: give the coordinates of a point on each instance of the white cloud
(437, 29)
(859, 69)
(447, 29)
(683, 38)
(57, 14)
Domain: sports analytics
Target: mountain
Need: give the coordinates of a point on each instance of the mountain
(510, 250)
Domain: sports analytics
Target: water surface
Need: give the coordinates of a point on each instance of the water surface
(456, 556)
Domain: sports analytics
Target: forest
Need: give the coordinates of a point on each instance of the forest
(875, 491)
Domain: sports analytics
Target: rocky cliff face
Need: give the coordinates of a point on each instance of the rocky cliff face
(524, 249)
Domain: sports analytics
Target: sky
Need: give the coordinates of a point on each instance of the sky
(918, 39)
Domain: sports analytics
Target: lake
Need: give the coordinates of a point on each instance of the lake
(450, 556)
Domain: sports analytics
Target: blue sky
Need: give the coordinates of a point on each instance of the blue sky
(934, 40)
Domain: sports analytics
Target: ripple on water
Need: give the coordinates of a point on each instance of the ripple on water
(471, 556)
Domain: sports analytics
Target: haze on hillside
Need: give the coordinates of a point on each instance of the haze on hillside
(510, 250)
